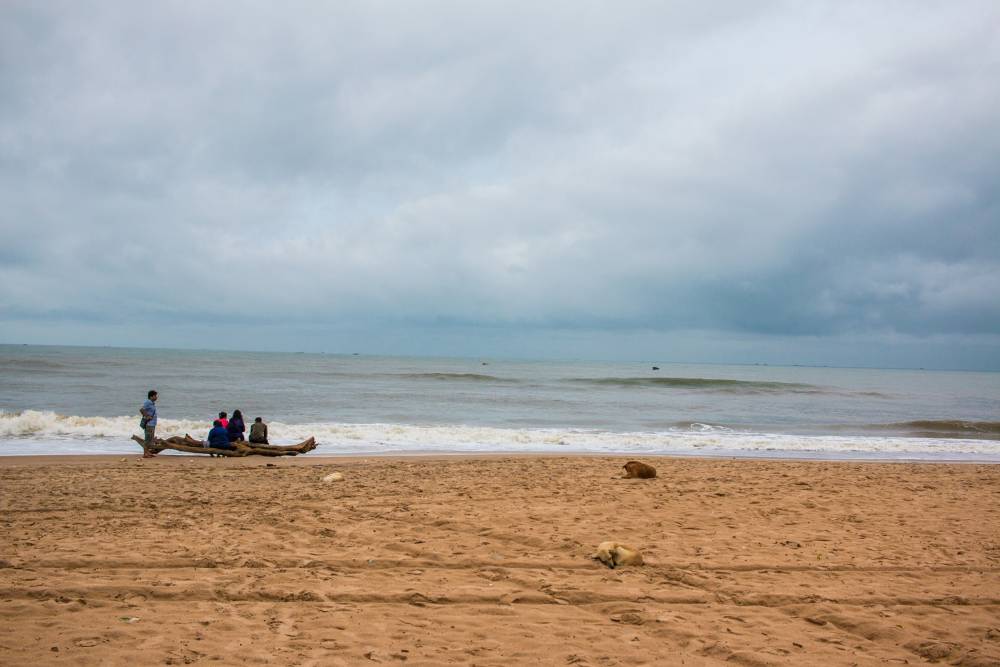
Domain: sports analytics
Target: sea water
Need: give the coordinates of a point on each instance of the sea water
(59, 400)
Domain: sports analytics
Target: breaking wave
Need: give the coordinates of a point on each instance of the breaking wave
(34, 432)
(952, 428)
(44, 424)
(701, 427)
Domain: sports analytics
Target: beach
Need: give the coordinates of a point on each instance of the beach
(453, 267)
(486, 560)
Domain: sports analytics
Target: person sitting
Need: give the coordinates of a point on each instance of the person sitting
(236, 428)
(224, 418)
(218, 438)
(258, 432)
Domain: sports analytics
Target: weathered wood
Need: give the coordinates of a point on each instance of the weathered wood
(190, 445)
(301, 448)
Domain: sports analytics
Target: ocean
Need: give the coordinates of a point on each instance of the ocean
(78, 400)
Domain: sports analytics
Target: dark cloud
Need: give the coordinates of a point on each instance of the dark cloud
(770, 171)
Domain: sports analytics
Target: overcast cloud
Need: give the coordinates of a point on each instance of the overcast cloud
(771, 181)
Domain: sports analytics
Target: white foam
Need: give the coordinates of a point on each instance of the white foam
(49, 425)
(32, 432)
(708, 428)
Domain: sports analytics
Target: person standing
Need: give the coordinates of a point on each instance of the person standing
(148, 423)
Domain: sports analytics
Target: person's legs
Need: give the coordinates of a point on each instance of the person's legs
(228, 446)
(147, 445)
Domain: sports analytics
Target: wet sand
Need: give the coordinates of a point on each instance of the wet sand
(486, 561)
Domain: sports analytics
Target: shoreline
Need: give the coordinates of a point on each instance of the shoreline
(794, 457)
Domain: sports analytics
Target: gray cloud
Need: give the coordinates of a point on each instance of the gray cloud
(764, 171)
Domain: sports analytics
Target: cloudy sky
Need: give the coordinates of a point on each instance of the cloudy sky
(781, 182)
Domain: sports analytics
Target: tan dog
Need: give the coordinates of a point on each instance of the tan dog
(640, 470)
(614, 554)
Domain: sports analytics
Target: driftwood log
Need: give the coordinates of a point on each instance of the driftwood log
(193, 446)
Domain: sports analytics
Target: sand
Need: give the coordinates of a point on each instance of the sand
(486, 561)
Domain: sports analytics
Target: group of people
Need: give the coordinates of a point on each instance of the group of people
(225, 430)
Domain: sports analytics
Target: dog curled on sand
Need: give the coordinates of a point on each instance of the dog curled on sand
(639, 470)
(614, 554)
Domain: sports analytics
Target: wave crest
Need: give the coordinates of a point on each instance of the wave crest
(709, 384)
(461, 377)
(34, 432)
(32, 365)
(49, 433)
(947, 427)
(42, 424)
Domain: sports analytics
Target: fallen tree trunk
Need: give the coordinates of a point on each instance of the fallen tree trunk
(192, 446)
(301, 448)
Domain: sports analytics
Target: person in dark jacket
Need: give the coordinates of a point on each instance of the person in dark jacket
(236, 427)
(258, 432)
(218, 437)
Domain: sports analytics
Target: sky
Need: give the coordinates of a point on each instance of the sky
(747, 182)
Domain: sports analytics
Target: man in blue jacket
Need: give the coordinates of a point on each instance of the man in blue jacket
(218, 437)
(148, 424)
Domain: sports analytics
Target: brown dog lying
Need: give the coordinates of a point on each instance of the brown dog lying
(640, 470)
(614, 554)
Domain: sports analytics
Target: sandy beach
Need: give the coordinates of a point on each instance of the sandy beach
(486, 561)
